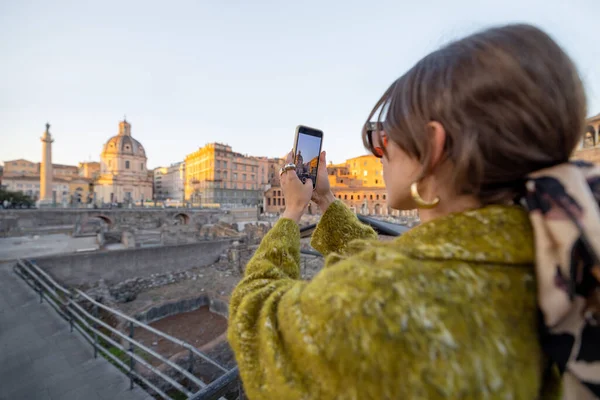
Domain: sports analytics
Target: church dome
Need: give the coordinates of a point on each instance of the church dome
(123, 143)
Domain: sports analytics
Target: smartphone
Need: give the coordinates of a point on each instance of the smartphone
(307, 151)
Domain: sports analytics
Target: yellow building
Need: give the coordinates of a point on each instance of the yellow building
(359, 184)
(123, 173)
(589, 148)
(65, 171)
(90, 170)
(21, 167)
(216, 175)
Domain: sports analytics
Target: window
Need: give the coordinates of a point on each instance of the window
(284, 201)
(371, 197)
(345, 197)
(224, 164)
(376, 181)
(339, 196)
(268, 201)
(384, 196)
(365, 173)
(142, 166)
(244, 177)
(127, 164)
(235, 177)
(278, 202)
(351, 197)
(377, 197)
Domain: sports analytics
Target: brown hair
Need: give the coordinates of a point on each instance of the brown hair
(511, 102)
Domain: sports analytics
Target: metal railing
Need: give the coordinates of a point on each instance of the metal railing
(229, 382)
(99, 333)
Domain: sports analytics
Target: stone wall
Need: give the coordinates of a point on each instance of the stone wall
(591, 154)
(23, 222)
(83, 269)
(181, 306)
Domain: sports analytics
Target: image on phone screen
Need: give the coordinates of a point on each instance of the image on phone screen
(307, 152)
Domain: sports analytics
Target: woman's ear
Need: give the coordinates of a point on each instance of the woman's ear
(438, 142)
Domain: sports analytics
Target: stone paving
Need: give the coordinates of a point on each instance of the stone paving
(41, 359)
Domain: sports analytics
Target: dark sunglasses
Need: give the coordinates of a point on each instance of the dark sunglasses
(377, 127)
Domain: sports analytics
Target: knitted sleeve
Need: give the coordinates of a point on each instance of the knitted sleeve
(338, 227)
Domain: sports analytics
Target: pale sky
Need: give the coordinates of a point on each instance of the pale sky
(245, 73)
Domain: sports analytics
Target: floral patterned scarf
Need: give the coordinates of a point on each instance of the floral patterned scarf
(563, 203)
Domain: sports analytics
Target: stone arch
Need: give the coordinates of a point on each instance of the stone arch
(377, 209)
(107, 220)
(181, 219)
(589, 139)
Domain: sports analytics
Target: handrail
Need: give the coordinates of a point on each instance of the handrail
(220, 386)
(48, 278)
(146, 349)
(63, 301)
(155, 331)
(112, 356)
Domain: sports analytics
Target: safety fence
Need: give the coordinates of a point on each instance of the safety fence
(137, 360)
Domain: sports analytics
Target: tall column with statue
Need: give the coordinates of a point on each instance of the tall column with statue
(46, 168)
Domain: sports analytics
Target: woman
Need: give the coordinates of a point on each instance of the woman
(448, 310)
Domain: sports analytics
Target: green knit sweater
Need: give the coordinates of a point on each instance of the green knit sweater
(445, 311)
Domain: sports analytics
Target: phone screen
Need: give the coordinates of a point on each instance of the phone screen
(307, 152)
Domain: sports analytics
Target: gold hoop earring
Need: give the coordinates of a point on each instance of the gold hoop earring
(414, 192)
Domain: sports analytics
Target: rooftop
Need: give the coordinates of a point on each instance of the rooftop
(594, 118)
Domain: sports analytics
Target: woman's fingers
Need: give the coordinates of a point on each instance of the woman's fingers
(290, 157)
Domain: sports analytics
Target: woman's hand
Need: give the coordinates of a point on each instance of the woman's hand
(297, 194)
(322, 196)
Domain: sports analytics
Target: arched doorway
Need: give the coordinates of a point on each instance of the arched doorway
(589, 140)
(181, 219)
(377, 209)
(106, 220)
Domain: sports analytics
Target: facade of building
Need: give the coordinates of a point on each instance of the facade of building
(274, 201)
(216, 175)
(65, 171)
(169, 182)
(123, 174)
(589, 148)
(359, 184)
(89, 170)
(30, 185)
(68, 183)
(21, 167)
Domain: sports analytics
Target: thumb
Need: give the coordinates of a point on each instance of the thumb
(322, 160)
